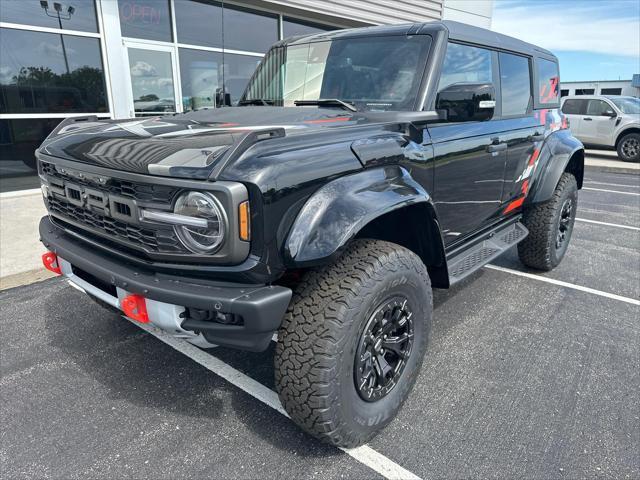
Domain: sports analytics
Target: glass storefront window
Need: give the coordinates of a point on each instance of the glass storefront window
(151, 81)
(199, 23)
(18, 141)
(237, 72)
(201, 79)
(291, 28)
(72, 15)
(148, 19)
(50, 73)
(249, 31)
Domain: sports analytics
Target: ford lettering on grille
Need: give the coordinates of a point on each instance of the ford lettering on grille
(120, 208)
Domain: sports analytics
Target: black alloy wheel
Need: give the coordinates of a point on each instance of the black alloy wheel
(384, 349)
(565, 223)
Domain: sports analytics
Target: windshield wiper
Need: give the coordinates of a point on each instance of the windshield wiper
(327, 101)
(256, 101)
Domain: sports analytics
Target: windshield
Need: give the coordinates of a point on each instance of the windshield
(372, 73)
(627, 104)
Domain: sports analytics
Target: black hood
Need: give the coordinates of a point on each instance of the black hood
(182, 144)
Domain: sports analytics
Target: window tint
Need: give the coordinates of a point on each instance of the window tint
(75, 15)
(465, 64)
(200, 77)
(199, 23)
(50, 73)
(611, 91)
(515, 84)
(548, 81)
(585, 91)
(574, 107)
(598, 107)
(564, 93)
(252, 32)
(148, 19)
(292, 28)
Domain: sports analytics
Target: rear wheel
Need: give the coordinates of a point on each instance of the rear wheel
(550, 226)
(352, 342)
(629, 147)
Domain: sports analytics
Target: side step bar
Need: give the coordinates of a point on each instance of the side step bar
(471, 259)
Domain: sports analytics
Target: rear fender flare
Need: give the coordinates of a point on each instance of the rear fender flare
(559, 149)
(335, 213)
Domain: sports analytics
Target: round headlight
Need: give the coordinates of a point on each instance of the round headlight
(204, 239)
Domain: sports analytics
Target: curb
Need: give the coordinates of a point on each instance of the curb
(609, 169)
(25, 278)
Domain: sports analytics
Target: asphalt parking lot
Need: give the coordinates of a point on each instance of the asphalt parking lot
(526, 376)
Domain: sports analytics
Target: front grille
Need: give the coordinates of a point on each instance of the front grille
(160, 241)
(66, 202)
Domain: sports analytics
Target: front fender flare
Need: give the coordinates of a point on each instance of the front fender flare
(335, 213)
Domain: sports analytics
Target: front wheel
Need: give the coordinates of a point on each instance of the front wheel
(550, 226)
(352, 342)
(629, 147)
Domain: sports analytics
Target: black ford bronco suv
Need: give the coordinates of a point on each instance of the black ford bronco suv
(361, 168)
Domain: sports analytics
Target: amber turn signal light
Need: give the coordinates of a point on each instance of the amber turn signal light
(244, 219)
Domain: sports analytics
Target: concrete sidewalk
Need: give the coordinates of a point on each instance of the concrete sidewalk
(20, 247)
(608, 161)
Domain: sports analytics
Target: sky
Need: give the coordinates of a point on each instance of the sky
(593, 39)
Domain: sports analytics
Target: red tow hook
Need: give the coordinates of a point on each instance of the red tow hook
(50, 262)
(135, 307)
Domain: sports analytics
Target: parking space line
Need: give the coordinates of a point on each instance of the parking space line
(364, 454)
(612, 184)
(610, 191)
(573, 286)
(607, 224)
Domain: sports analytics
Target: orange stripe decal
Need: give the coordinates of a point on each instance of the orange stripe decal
(515, 204)
(534, 156)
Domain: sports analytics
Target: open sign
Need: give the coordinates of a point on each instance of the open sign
(140, 13)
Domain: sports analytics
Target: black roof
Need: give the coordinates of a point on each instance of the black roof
(457, 31)
(482, 36)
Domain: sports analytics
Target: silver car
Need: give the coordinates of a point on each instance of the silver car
(610, 122)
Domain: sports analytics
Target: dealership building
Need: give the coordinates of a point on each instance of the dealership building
(128, 58)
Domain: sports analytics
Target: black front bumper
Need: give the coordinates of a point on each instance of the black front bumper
(261, 306)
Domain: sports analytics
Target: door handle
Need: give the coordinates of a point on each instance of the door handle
(496, 147)
(536, 137)
(587, 119)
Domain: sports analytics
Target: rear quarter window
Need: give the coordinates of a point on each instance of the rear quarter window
(548, 82)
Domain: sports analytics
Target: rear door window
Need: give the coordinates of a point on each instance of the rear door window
(515, 84)
(574, 107)
(548, 82)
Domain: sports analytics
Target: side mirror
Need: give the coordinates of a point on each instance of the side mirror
(609, 113)
(467, 102)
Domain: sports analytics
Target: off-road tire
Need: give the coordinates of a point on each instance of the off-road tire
(625, 152)
(318, 339)
(542, 220)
